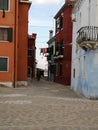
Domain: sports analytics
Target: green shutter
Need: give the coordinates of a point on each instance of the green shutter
(3, 64)
(10, 34)
(6, 2)
(1, 5)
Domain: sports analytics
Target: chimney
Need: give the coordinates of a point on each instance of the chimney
(34, 35)
(50, 34)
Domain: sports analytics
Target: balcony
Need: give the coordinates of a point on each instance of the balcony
(58, 55)
(59, 51)
(88, 37)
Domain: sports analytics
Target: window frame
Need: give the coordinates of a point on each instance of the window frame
(61, 48)
(9, 34)
(59, 23)
(7, 63)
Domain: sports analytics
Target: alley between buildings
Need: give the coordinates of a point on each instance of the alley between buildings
(44, 105)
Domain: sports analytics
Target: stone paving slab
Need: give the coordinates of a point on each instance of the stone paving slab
(36, 108)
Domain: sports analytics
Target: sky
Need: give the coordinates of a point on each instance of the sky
(41, 20)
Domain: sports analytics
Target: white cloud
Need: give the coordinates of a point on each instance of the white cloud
(46, 2)
(39, 22)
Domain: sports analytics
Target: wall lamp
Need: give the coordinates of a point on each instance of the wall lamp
(3, 13)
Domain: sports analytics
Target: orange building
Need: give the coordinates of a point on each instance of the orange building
(13, 41)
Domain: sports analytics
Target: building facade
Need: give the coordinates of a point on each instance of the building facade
(63, 47)
(50, 56)
(85, 48)
(31, 56)
(13, 41)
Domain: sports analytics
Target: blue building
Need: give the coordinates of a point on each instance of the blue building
(84, 77)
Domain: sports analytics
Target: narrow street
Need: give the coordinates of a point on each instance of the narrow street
(45, 105)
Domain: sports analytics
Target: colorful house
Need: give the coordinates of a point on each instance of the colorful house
(63, 46)
(85, 48)
(13, 41)
(31, 56)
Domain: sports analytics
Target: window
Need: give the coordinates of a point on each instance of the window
(74, 73)
(30, 53)
(5, 34)
(3, 64)
(84, 67)
(56, 48)
(59, 23)
(61, 51)
(60, 69)
(4, 4)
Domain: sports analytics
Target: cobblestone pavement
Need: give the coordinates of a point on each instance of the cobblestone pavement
(46, 106)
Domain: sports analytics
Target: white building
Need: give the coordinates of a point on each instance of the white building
(50, 57)
(85, 48)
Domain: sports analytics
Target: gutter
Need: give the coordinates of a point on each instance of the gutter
(14, 76)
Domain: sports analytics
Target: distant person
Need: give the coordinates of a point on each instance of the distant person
(38, 75)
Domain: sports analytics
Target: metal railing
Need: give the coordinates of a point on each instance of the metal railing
(87, 33)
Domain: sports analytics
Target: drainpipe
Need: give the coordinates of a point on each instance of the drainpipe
(14, 76)
(97, 13)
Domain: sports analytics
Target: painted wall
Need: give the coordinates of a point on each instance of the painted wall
(66, 35)
(85, 63)
(22, 42)
(7, 48)
(16, 50)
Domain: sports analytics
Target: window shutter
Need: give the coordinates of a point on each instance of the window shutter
(10, 34)
(6, 2)
(3, 64)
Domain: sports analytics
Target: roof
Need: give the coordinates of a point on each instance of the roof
(25, 1)
(29, 2)
(33, 36)
(70, 2)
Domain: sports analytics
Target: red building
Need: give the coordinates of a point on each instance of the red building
(13, 41)
(63, 40)
(31, 55)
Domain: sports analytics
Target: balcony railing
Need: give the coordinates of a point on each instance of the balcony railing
(88, 37)
(58, 55)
